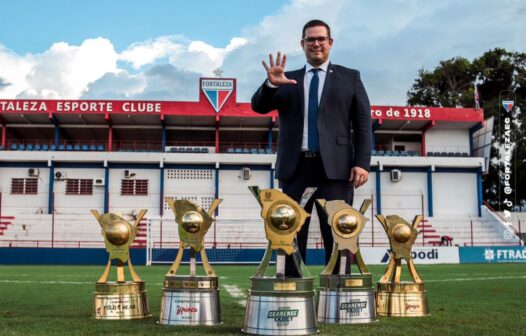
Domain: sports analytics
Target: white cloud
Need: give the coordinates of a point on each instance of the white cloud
(146, 52)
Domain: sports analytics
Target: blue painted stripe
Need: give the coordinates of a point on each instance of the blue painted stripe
(188, 166)
(378, 191)
(479, 191)
(50, 202)
(163, 139)
(134, 165)
(23, 164)
(272, 179)
(161, 191)
(106, 189)
(252, 167)
(216, 189)
(429, 192)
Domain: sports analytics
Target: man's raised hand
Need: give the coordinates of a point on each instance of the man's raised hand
(276, 71)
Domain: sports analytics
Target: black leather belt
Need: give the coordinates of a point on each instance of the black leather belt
(309, 154)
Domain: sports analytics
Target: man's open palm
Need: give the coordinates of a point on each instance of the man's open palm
(276, 71)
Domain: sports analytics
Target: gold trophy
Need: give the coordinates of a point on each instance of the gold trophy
(396, 297)
(346, 297)
(191, 299)
(120, 300)
(277, 305)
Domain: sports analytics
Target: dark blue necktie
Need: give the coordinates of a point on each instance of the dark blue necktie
(314, 144)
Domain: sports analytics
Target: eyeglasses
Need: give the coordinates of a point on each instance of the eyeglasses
(312, 40)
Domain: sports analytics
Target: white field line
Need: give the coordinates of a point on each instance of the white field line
(60, 282)
(236, 293)
(477, 279)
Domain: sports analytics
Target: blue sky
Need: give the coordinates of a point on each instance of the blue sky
(158, 49)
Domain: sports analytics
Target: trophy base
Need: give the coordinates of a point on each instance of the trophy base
(120, 301)
(346, 299)
(280, 307)
(405, 299)
(190, 301)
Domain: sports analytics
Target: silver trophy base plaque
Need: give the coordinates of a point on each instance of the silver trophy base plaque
(190, 301)
(280, 307)
(346, 299)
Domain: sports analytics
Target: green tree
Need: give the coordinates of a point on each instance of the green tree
(451, 84)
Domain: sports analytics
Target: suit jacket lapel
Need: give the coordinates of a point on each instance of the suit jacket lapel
(327, 87)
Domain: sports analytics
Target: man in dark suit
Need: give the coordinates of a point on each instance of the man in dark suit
(318, 106)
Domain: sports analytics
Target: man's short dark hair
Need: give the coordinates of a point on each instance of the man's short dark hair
(316, 23)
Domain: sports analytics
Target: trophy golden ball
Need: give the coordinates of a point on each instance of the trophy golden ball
(282, 217)
(118, 232)
(401, 233)
(347, 224)
(192, 221)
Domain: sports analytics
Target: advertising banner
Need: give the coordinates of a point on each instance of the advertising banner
(492, 254)
(421, 255)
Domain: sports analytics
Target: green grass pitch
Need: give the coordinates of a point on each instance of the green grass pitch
(463, 299)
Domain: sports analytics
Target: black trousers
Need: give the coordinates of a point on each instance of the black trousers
(310, 173)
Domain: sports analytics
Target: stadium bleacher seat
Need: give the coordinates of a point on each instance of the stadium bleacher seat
(374, 152)
(261, 150)
(30, 147)
(246, 151)
(21, 147)
(441, 154)
(465, 154)
(430, 154)
(61, 147)
(38, 147)
(196, 150)
(14, 146)
(45, 147)
(204, 150)
(181, 150)
(268, 150)
(76, 147)
(253, 150)
(53, 147)
(230, 150)
(2, 147)
(238, 151)
(92, 147)
(100, 148)
(451, 154)
(381, 152)
(84, 147)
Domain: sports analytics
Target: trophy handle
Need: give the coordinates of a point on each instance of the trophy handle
(206, 265)
(365, 205)
(389, 270)
(177, 262)
(170, 202)
(95, 214)
(255, 190)
(262, 269)
(382, 221)
(361, 264)
(413, 272)
(140, 216)
(332, 261)
(134, 275)
(214, 206)
(298, 260)
(106, 272)
(417, 220)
